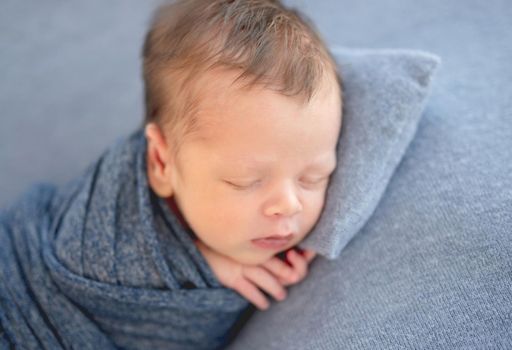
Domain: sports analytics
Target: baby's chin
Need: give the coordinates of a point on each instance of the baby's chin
(261, 257)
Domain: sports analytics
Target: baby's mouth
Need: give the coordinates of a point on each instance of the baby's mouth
(273, 242)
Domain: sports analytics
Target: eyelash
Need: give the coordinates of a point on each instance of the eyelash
(241, 187)
(316, 183)
(246, 187)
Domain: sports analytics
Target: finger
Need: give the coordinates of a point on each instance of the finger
(298, 262)
(266, 281)
(250, 292)
(309, 255)
(280, 269)
(287, 282)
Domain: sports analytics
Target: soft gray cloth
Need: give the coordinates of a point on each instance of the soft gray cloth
(104, 263)
(385, 92)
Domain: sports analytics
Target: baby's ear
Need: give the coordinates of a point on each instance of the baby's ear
(158, 160)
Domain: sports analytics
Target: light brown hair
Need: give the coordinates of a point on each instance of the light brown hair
(267, 42)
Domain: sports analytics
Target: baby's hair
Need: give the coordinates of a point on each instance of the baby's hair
(268, 43)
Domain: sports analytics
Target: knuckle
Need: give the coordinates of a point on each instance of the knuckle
(235, 281)
(286, 269)
(291, 273)
(295, 277)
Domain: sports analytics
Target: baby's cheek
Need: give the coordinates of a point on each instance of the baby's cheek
(232, 218)
(311, 212)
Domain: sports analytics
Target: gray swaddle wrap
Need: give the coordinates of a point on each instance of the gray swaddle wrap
(104, 263)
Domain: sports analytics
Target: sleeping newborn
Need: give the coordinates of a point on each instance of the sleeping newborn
(242, 124)
(167, 237)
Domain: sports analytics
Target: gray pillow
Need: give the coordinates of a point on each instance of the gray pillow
(384, 96)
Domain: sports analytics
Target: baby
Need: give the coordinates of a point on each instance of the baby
(243, 114)
(167, 237)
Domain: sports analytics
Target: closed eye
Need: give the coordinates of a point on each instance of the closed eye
(241, 186)
(317, 181)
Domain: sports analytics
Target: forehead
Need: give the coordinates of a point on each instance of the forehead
(256, 127)
(222, 85)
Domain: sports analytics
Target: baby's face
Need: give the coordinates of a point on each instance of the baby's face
(260, 169)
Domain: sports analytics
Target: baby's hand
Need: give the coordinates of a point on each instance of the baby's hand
(271, 276)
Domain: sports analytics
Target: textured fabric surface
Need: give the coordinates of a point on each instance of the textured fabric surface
(104, 263)
(384, 96)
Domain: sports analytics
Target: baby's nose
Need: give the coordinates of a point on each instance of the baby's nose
(285, 202)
